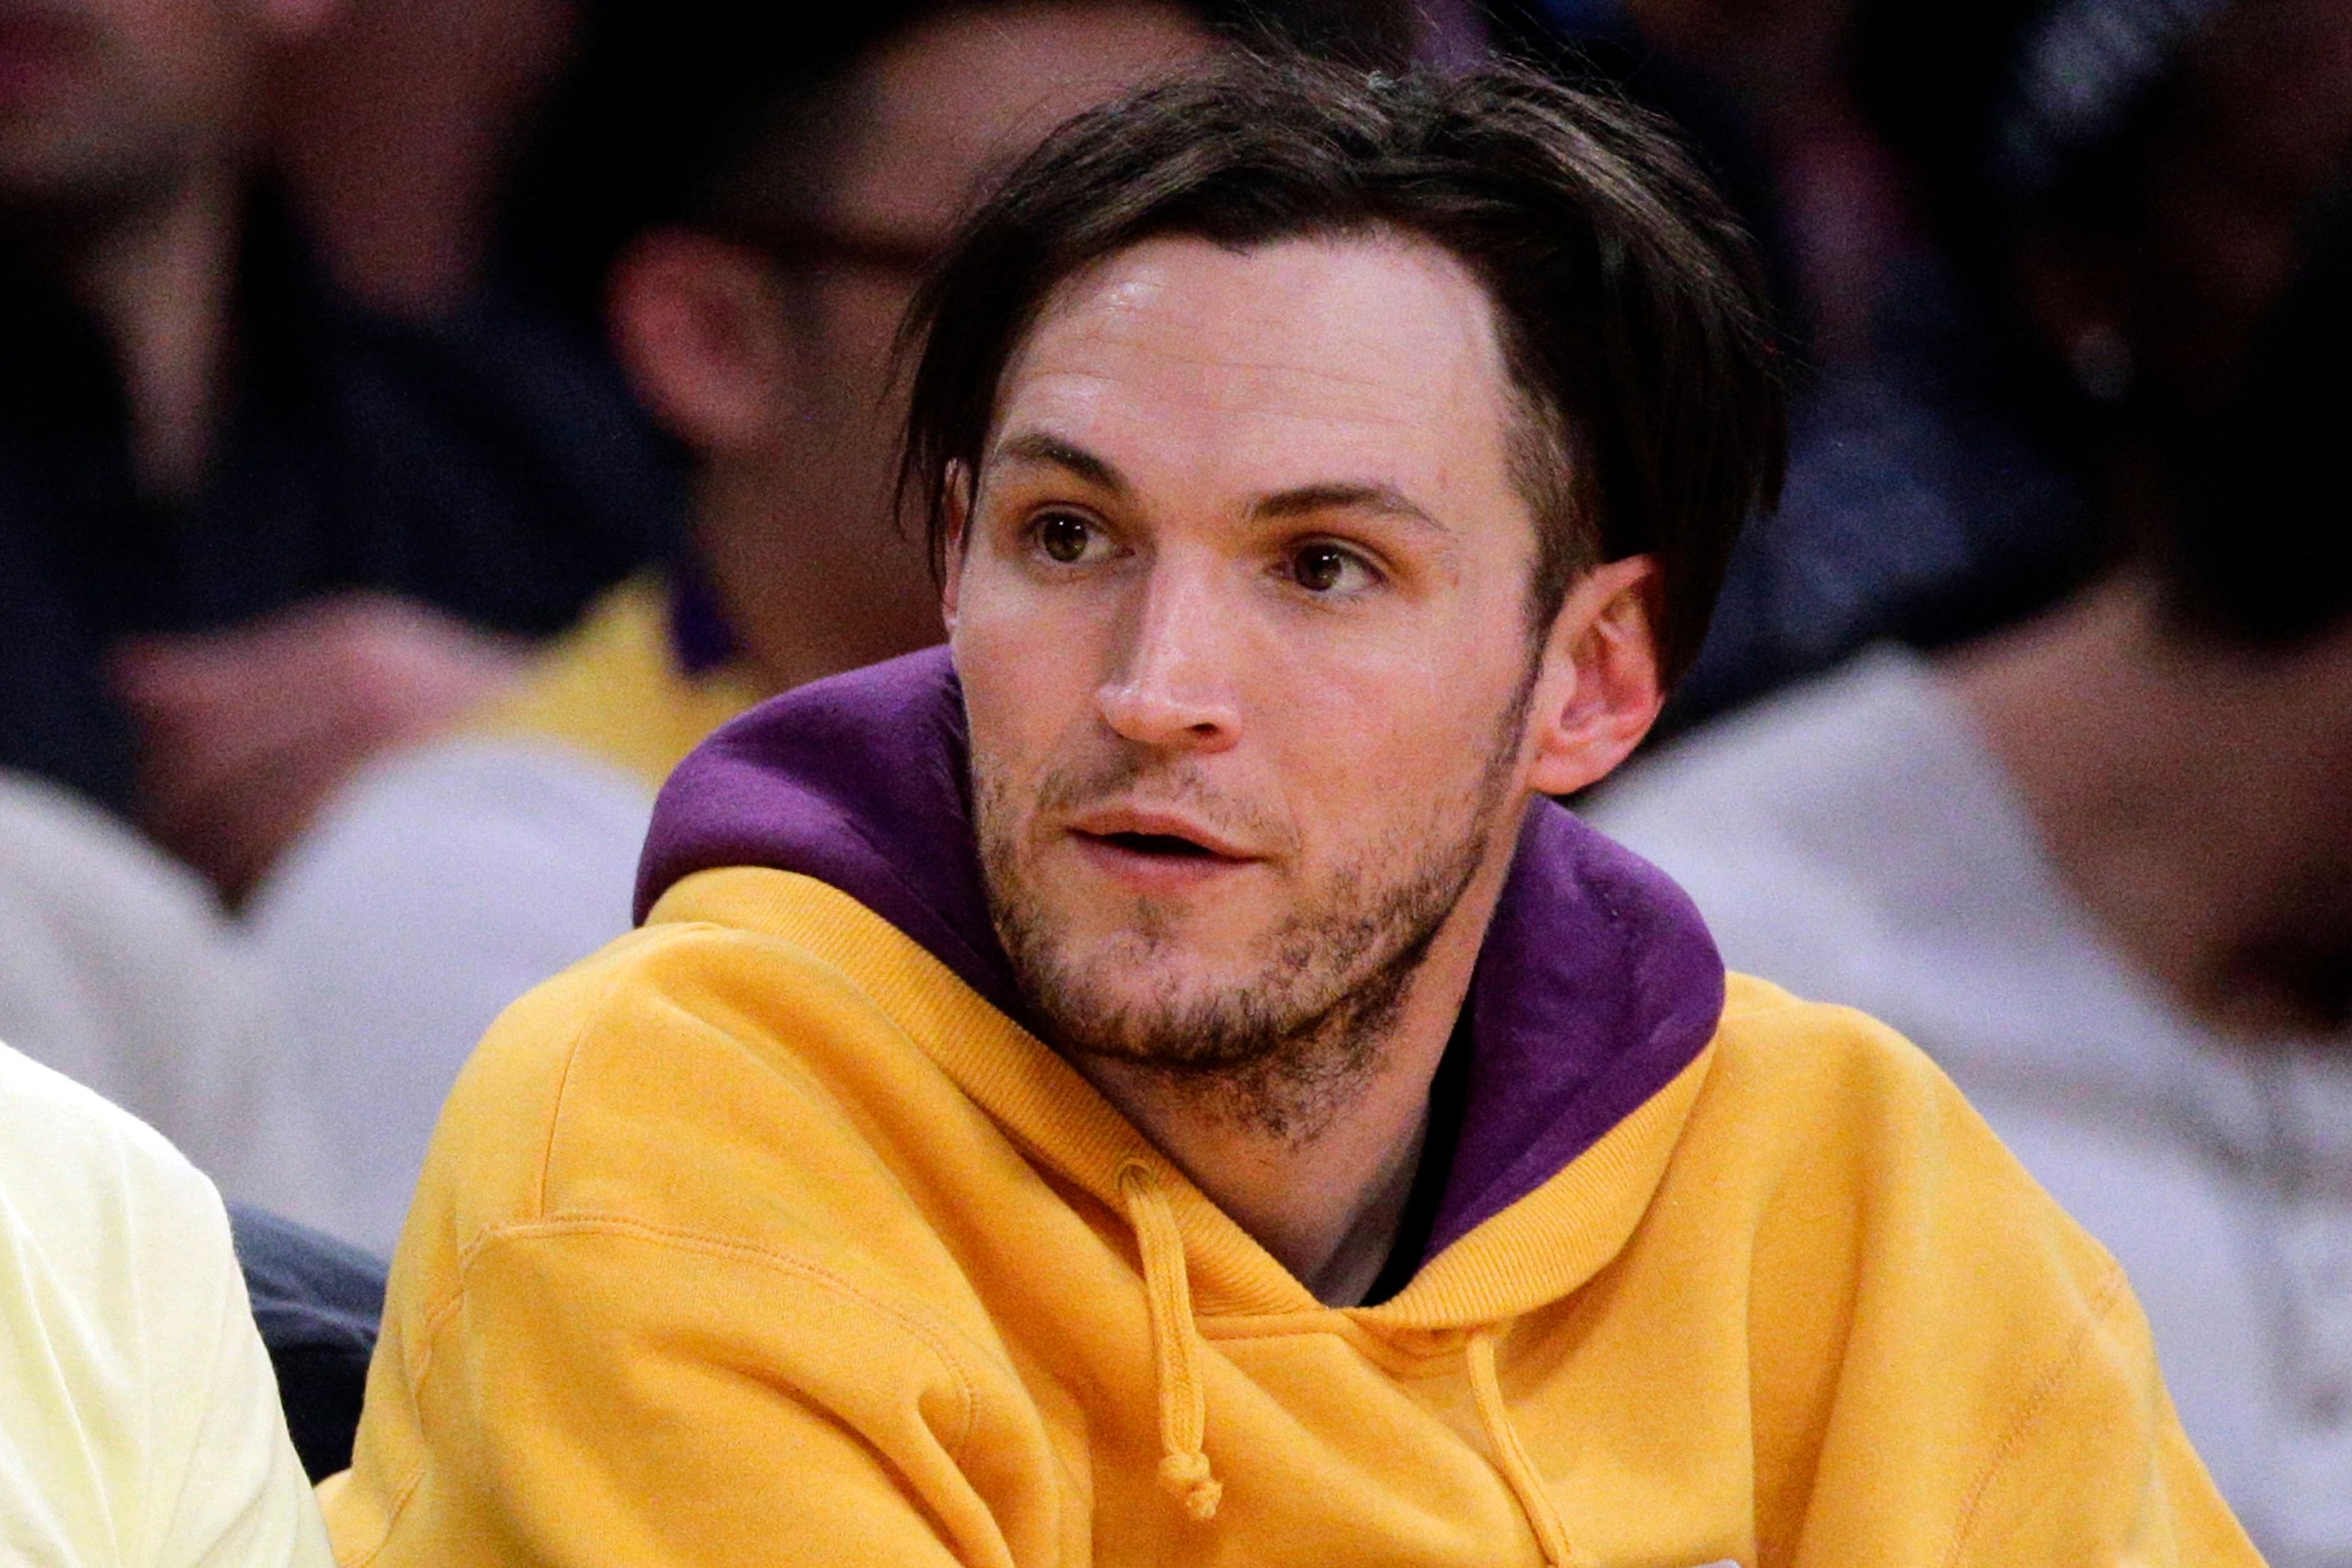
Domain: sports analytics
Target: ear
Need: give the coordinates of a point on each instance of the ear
(702, 330)
(959, 510)
(1598, 691)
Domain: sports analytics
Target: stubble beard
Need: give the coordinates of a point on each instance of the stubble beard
(1282, 1054)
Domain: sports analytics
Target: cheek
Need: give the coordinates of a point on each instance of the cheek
(1027, 677)
(1390, 735)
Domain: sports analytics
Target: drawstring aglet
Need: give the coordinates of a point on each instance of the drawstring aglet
(1186, 1477)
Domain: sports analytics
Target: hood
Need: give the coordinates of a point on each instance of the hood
(1597, 985)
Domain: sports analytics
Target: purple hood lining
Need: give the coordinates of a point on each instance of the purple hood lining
(1597, 985)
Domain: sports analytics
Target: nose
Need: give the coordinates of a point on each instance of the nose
(1174, 689)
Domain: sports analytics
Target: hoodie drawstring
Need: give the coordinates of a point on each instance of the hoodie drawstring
(1511, 1457)
(1184, 1472)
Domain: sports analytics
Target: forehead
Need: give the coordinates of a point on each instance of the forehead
(1273, 366)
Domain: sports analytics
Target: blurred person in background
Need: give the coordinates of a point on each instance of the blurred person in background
(142, 1424)
(761, 190)
(2101, 865)
(249, 534)
(119, 970)
(1929, 499)
(395, 127)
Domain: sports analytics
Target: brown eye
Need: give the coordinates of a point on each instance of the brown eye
(1063, 536)
(1320, 568)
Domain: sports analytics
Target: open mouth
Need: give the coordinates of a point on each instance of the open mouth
(1168, 845)
(1154, 846)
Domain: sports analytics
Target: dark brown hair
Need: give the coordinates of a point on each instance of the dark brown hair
(1630, 304)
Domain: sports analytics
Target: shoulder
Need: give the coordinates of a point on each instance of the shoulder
(54, 837)
(1872, 1193)
(1899, 1271)
(120, 968)
(1849, 1155)
(690, 1076)
(506, 860)
(114, 1240)
(1829, 1086)
(104, 1195)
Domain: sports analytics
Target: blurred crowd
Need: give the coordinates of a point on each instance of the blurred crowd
(423, 422)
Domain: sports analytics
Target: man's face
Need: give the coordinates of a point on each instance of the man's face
(106, 103)
(1241, 615)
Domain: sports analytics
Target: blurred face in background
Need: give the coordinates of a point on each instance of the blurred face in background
(2263, 126)
(2208, 225)
(107, 104)
(784, 386)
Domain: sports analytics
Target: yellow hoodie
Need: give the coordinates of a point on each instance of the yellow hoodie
(770, 1236)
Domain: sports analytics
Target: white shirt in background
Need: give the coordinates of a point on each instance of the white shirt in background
(1855, 842)
(119, 970)
(141, 1427)
(438, 888)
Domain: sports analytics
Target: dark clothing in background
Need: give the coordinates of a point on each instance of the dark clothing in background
(318, 1304)
(489, 466)
(1932, 498)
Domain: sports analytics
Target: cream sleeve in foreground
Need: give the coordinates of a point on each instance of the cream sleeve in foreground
(141, 1427)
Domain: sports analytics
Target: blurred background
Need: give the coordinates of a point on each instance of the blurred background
(422, 421)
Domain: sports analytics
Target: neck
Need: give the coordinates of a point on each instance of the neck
(1328, 1201)
(160, 282)
(2157, 769)
(812, 599)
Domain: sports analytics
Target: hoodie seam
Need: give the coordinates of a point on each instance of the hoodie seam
(2013, 1442)
(591, 1018)
(537, 1190)
(934, 1337)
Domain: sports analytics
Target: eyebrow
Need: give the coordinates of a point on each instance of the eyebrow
(1345, 496)
(1043, 449)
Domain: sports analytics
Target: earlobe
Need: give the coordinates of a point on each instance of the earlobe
(698, 326)
(1600, 691)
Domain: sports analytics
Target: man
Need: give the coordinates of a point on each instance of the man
(752, 298)
(1153, 1082)
(142, 1427)
(196, 435)
(2099, 866)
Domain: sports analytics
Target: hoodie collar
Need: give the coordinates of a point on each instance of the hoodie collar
(1596, 987)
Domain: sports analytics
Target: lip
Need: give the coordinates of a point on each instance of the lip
(1095, 836)
(1104, 822)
